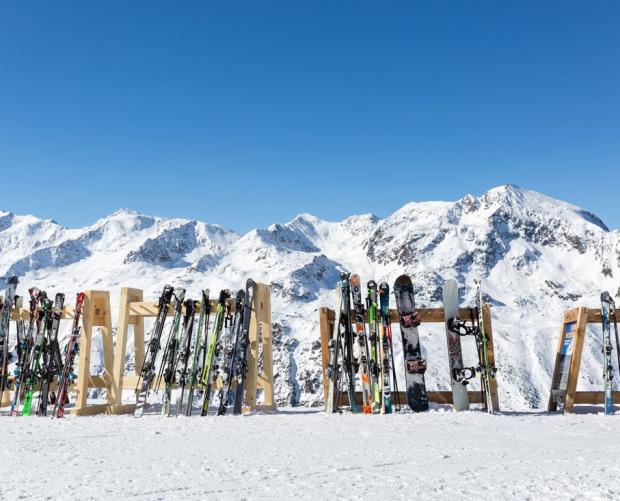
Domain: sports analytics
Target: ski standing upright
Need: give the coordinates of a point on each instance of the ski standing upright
(147, 372)
(373, 337)
(52, 363)
(67, 376)
(241, 364)
(386, 351)
(5, 322)
(607, 306)
(349, 360)
(360, 331)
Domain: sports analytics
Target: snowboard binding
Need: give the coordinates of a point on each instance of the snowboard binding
(464, 375)
(460, 327)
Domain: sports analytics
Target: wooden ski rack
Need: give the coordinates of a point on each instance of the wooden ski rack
(573, 331)
(327, 317)
(96, 313)
(133, 310)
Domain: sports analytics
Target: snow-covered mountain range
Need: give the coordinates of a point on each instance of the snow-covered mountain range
(536, 256)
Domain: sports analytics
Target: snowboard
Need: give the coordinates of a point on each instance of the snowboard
(415, 365)
(460, 398)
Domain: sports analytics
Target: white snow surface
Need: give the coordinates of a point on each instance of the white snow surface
(305, 454)
(537, 256)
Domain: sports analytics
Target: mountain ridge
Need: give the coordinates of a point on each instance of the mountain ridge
(536, 256)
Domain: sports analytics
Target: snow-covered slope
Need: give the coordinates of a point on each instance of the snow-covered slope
(303, 454)
(536, 255)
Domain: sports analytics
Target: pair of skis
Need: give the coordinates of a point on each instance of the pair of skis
(227, 353)
(192, 358)
(67, 375)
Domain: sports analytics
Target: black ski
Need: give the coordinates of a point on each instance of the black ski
(241, 366)
(147, 371)
(51, 365)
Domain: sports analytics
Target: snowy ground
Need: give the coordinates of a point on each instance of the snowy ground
(303, 454)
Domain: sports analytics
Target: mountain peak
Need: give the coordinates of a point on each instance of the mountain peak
(125, 212)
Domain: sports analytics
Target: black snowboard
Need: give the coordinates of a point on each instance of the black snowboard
(415, 365)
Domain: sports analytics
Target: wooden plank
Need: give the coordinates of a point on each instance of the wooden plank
(575, 364)
(571, 315)
(147, 309)
(552, 406)
(264, 316)
(121, 409)
(594, 397)
(66, 313)
(252, 374)
(595, 316)
(428, 315)
(439, 397)
(81, 384)
(325, 335)
(96, 313)
(130, 381)
(103, 320)
(122, 329)
(90, 410)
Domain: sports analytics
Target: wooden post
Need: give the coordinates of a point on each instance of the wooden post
(262, 307)
(574, 331)
(486, 318)
(251, 379)
(96, 313)
(326, 334)
(575, 363)
(428, 315)
(122, 329)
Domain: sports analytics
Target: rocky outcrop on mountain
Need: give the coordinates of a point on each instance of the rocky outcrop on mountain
(535, 255)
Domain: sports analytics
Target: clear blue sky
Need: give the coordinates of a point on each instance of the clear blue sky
(247, 113)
